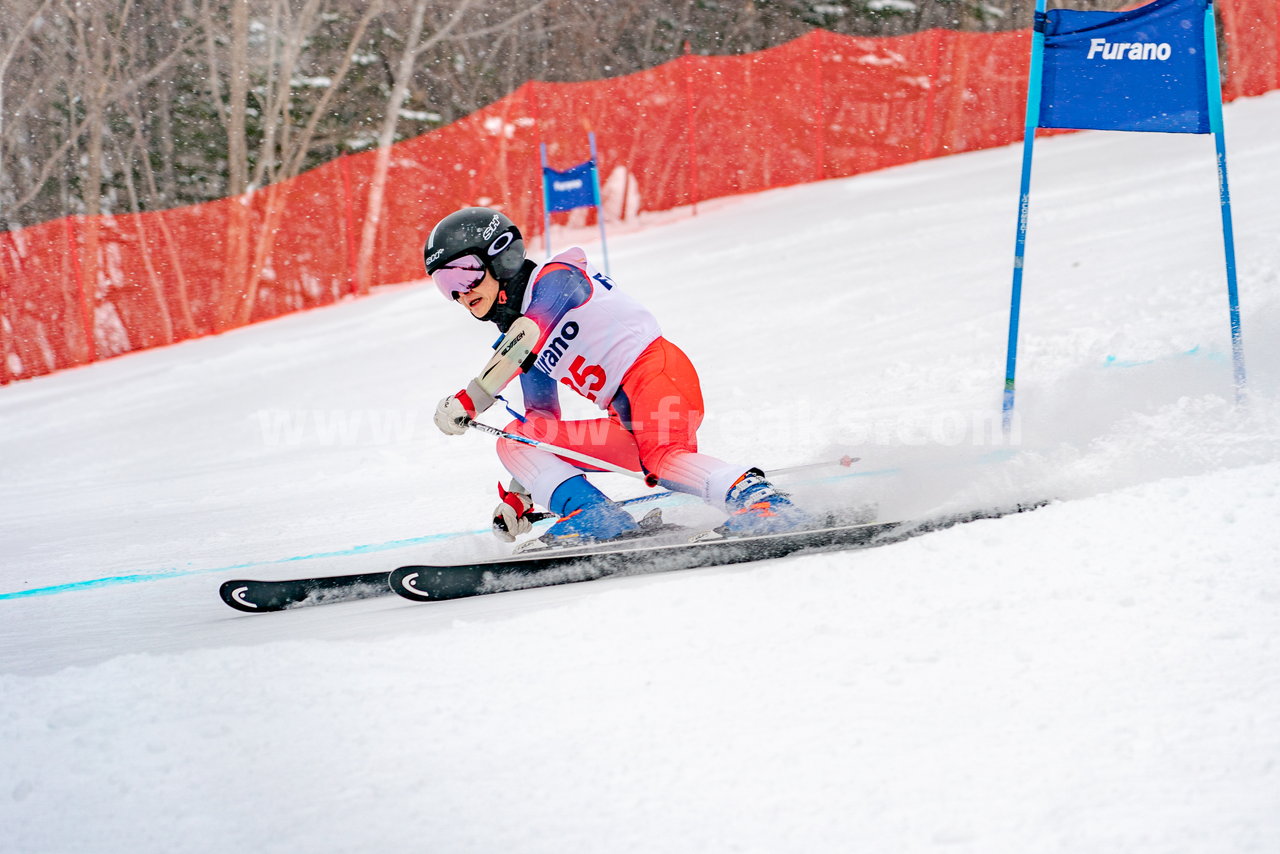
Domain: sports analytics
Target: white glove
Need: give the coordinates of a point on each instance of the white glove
(510, 518)
(454, 410)
(453, 413)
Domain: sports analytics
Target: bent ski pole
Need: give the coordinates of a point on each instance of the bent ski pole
(845, 461)
(649, 479)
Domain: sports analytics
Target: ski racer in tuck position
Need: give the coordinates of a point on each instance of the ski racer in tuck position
(564, 322)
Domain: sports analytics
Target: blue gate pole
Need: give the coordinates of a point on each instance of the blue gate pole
(546, 202)
(1214, 82)
(595, 178)
(1024, 203)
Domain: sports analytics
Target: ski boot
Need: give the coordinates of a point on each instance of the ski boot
(756, 507)
(586, 515)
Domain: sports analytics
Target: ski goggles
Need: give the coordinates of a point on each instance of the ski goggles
(459, 276)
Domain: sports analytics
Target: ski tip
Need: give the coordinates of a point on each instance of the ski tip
(406, 582)
(258, 597)
(234, 593)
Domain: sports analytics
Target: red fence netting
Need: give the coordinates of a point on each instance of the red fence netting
(81, 289)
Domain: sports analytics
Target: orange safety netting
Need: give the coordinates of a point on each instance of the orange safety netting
(823, 106)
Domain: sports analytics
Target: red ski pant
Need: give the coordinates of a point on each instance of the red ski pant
(652, 427)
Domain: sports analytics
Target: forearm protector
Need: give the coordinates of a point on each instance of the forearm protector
(515, 353)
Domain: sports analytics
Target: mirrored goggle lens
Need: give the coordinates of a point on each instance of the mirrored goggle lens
(459, 276)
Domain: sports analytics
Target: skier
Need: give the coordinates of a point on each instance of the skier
(564, 322)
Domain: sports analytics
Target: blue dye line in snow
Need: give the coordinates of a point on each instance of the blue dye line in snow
(162, 574)
(1113, 362)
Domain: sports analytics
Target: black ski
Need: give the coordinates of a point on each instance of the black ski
(256, 597)
(568, 566)
(666, 549)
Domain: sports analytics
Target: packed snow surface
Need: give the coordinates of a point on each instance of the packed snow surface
(1101, 674)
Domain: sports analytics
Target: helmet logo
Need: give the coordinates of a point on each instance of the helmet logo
(493, 226)
(501, 243)
(435, 255)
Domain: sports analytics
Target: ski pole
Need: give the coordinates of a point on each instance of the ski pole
(846, 461)
(649, 479)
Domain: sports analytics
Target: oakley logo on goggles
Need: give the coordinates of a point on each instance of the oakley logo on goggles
(459, 276)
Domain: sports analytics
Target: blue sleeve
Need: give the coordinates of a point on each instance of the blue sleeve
(559, 289)
(540, 393)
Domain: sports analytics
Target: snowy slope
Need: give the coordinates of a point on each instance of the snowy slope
(1098, 675)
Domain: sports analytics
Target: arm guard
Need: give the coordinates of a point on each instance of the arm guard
(515, 353)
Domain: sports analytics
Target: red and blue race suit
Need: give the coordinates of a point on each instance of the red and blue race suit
(607, 347)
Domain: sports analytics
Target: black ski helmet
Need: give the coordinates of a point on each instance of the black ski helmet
(483, 232)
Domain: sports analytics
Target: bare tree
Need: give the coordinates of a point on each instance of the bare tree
(234, 96)
(14, 42)
(79, 66)
(261, 80)
(445, 30)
